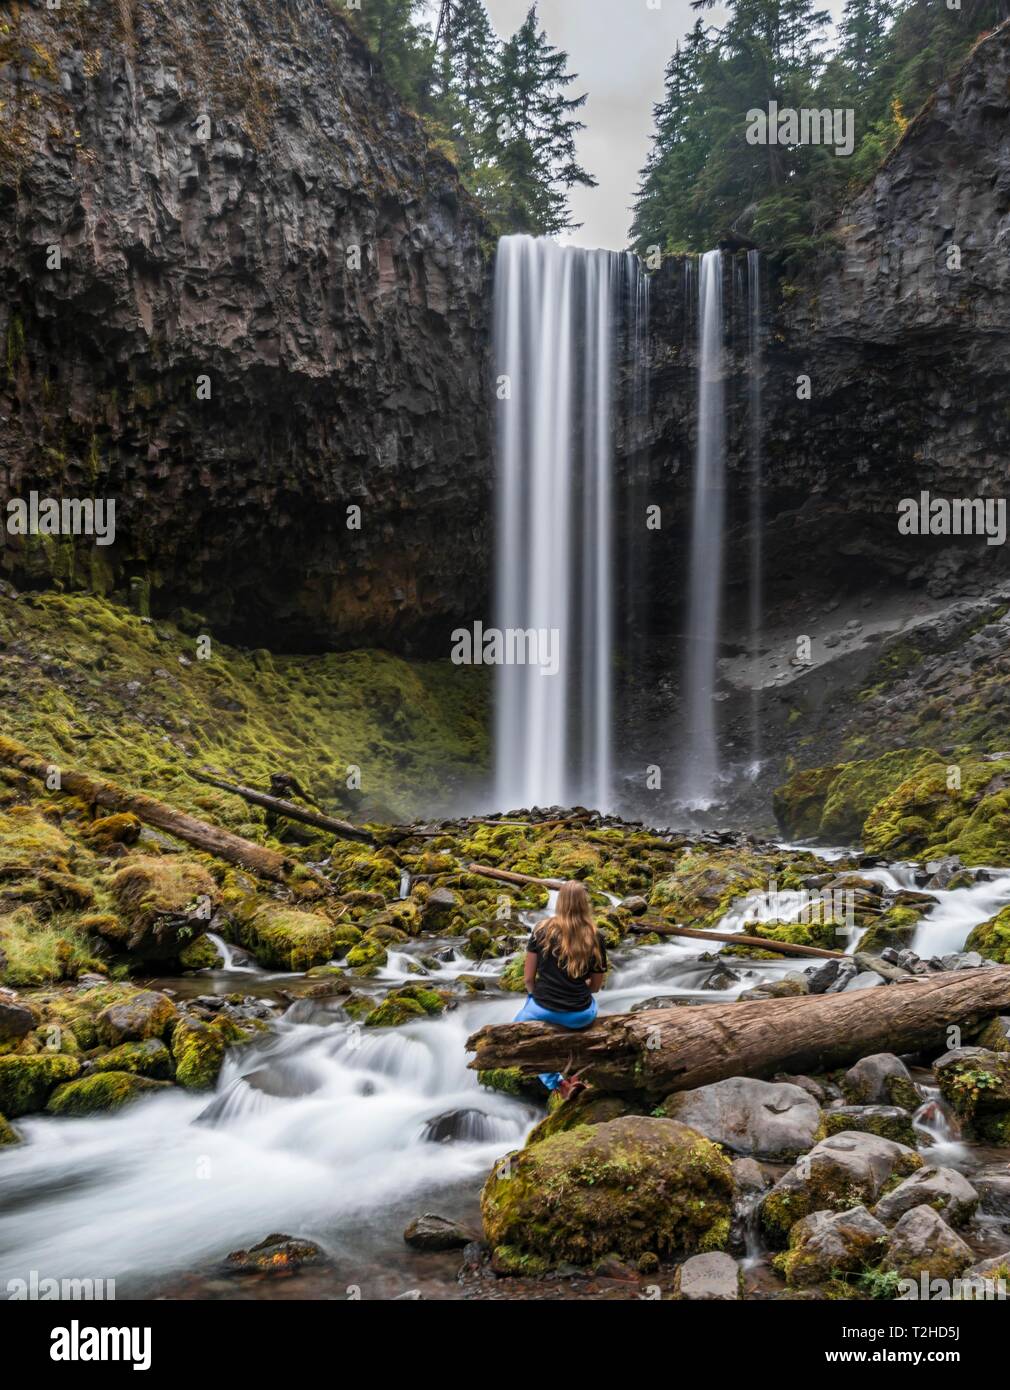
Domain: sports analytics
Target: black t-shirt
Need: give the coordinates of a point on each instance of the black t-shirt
(554, 988)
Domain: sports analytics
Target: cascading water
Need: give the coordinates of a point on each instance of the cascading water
(559, 315)
(754, 367)
(701, 760)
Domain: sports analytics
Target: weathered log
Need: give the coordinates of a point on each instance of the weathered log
(507, 876)
(675, 1049)
(265, 863)
(290, 809)
(786, 948)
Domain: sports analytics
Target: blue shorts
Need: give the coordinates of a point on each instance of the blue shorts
(532, 1012)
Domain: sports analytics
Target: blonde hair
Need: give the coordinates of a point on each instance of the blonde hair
(571, 932)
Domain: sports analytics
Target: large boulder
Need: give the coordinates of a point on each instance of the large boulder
(992, 938)
(841, 1171)
(431, 1232)
(923, 1243)
(160, 900)
(765, 1119)
(713, 1277)
(146, 1014)
(827, 1243)
(944, 1189)
(631, 1186)
(148, 1058)
(25, 1082)
(100, 1092)
(881, 1079)
(286, 938)
(589, 1107)
(198, 1049)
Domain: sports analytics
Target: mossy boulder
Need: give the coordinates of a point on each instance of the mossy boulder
(100, 1092)
(148, 1058)
(200, 954)
(198, 1049)
(852, 795)
(889, 1121)
(8, 1134)
(894, 928)
(146, 1014)
(159, 900)
(510, 1081)
(943, 810)
(826, 1244)
(974, 1081)
(824, 934)
(589, 1107)
(705, 885)
(403, 1004)
(629, 1186)
(121, 829)
(992, 938)
(511, 977)
(799, 804)
(26, 1082)
(287, 938)
(845, 1170)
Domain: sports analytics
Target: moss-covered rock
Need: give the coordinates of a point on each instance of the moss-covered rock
(393, 1011)
(889, 1121)
(25, 1082)
(825, 1244)
(857, 788)
(148, 1058)
(510, 1081)
(706, 883)
(121, 829)
(8, 1134)
(155, 896)
(942, 810)
(894, 928)
(200, 954)
(799, 804)
(589, 1107)
(101, 1091)
(287, 938)
(973, 1081)
(145, 1014)
(992, 938)
(630, 1186)
(198, 1049)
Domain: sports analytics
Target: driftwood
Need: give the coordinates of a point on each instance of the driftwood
(507, 876)
(291, 810)
(266, 863)
(787, 948)
(675, 1049)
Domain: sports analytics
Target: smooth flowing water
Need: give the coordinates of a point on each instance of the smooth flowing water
(701, 764)
(561, 315)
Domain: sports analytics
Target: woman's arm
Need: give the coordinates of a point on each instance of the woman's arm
(595, 982)
(530, 971)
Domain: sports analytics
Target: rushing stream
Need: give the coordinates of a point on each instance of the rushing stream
(335, 1132)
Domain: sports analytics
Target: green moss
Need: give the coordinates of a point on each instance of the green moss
(799, 804)
(992, 938)
(590, 1107)
(198, 1049)
(8, 1134)
(895, 928)
(148, 1058)
(898, 1126)
(286, 938)
(200, 954)
(152, 894)
(512, 1082)
(393, 1011)
(25, 1082)
(100, 1092)
(631, 1186)
(35, 953)
(925, 817)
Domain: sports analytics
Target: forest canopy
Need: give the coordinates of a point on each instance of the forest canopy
(704, 179)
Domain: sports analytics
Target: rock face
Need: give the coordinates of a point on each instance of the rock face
(242, 206)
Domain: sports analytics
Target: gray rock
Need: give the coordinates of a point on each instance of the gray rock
(16, 1020)
(891, 1121)
(824, 1243)
(881, 1079)
(763, 1119)
(866, 979)
(923, 1243)
(943, 1189)
(993, 1193)
(438, 906)
(431, 1232)
(714, 1276)
(748, 1176)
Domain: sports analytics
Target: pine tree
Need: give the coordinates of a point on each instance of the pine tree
(531, 134)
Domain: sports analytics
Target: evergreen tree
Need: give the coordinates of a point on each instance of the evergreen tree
(531, 133)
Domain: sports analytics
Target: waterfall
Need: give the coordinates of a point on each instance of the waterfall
(558, 314)
(701, 760)
(754, 367)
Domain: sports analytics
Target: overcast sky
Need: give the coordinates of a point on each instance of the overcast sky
(620, 49)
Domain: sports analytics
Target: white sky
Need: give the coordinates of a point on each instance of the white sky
(620, 49)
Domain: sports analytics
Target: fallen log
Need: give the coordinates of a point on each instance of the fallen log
(507, 876)
(787, 948)
(676, 1049)
(265, 863)
(290, 809)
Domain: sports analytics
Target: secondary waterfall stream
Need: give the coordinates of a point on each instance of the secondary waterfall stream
(561, 315)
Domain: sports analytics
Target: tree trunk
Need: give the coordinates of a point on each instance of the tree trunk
(266, 863)
(291, 810)
(675, 1049)
(786, 948)
(507, 876)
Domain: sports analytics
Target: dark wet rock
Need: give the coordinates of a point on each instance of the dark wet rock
(276, 1255)
(944, 1189)
(470, 1125)
(431, 1232)
(146, 1015)
(993, 1193)
(438, 907)
(787, 987)
(721, 978)
(763, 1119)
(16, 1020)
(749, 1176)
(889, 1121)
(713, 1276)
(284, 1080)
(974, 1081)
(821, 977)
